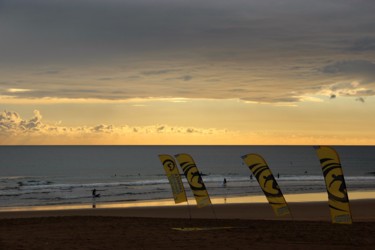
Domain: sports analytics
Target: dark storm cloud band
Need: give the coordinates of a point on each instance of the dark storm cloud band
(269, 49)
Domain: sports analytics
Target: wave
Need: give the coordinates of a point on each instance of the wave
(74, 190)
(34, 183)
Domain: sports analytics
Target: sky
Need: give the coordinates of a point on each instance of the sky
(155, 72)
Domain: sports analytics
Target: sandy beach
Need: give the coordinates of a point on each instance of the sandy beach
(226, 226)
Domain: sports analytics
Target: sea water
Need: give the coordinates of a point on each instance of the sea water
(66, 175)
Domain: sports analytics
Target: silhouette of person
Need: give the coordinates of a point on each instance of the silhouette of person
(94, 193)
(224, 182)
(94, 196)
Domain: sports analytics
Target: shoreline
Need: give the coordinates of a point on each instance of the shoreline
(362, 210)
(290, 198)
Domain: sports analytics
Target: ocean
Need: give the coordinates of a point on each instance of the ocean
(66, 175)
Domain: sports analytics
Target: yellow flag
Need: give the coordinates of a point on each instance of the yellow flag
(338, 199)
(194, 178)
(174, 178)
(267, 182)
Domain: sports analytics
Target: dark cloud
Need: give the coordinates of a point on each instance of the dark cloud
(187, 78)
(360, 99)
(50, 72)
(137, 48)
(350, 89)
(350, 67)
(359, 69)
(102, 128)
(190, 130)
(366, 92)
(160, 129)
(363, 45)
(183, 78)
(79, 31)
(105, 79)
(157, 72)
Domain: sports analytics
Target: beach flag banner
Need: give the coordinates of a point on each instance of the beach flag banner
(174, 178)
(267, 182)
(194, 178)
(338, 199)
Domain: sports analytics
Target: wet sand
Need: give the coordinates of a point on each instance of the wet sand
(231, 226)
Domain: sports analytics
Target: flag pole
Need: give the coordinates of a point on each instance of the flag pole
(188, 206)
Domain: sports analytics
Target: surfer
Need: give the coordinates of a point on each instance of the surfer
(94, 196)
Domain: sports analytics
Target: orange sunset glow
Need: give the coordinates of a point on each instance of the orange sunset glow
(197, 72)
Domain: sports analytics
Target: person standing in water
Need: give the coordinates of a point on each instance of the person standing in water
(224, 182)
(94, 196)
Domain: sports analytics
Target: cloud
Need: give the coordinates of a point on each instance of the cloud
(272, 98)
(105, 79)
(12, 122)
(347, 89)
(118, 50)
(157, 72)
(102, 128)
(14, 128)
(356, 68)
(360, 99)
(363, 45)
(187, 78)
(350, 77)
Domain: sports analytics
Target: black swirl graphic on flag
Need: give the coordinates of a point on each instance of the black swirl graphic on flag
(192, 174)
(169, 164)
(266, 180)
(336, 186)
